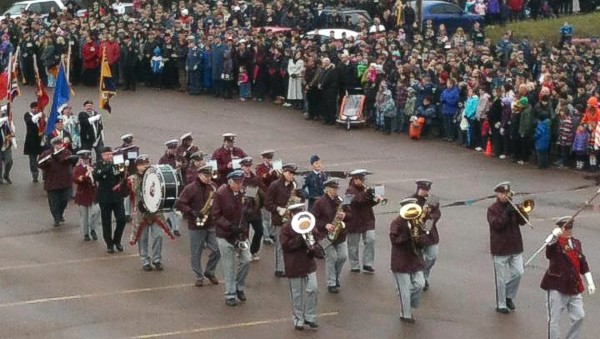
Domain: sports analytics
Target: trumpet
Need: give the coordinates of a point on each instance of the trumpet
(371, 192)
(523, 209)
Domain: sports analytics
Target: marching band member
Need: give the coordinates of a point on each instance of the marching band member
(301, 270)
(58, 178)
(267, 174)
(224, 156)
(91, 129)
(71, 126)
(146, 225)
(329, 216)
(431, 217)
(506, 247)
(563, 281)
(33, 139)
(279, 196)
(232, 234)
(170, 158)
(6, 145)
(191, 171)
(195, 203)
(253, 205)
(407, 265)
(112, 187)
(130, 152)
(85, 195)
(314, 182)
(361, 222)
(185, 150)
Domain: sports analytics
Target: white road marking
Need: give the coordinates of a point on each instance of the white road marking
(74, 261)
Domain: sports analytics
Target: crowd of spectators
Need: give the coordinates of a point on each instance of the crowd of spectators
(522, 96)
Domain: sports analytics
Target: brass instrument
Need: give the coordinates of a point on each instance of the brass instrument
(523, 209)
(412, 212)
(337, 222)
(303, 223)
(201, 221)
(424, 219)
(371, 192)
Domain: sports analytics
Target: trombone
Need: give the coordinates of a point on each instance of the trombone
(523, 209)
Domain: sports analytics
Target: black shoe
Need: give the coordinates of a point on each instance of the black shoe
(56, 224)
(279, 274)
(407, 320)
(213, 280)
(86, 237)
(503, 310)
(355, 270)
(147, 268)
(62, 219)
(313, 326)
(93, 234)
(299, 328)
(110, 249)
(241, 295)
(333, 289)
(231, 302)
(8, 181)
(177, 233)
(510, 304)
(199, 283)
(426, 287)
(119, 247)
(368, 269)
(35, 180)
(158, 266)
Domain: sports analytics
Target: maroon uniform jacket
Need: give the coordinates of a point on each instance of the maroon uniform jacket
(168, 159)
(361, 217)
(433, 237)
(253, 206)
(227, 212)
(404, 257)
(298, 262)
(278, 195)
(183, 153)
(191, 174)
(263, 170)
(324, 211)
(505, 230)
(192, 199)
(561, 274)
(223, 157)
(85, 194)
(58, 174)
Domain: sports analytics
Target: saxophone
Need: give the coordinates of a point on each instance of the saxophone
(294, 199)
(201, 221)
(337, 222)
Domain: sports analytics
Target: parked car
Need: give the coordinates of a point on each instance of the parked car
(41, 7)
(354, 14)
(325, 34)
(449, 14)
(127, 8)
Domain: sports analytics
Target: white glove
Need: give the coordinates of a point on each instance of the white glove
(590, 283)
(3, 120)
(281, 211)
(36, 117)
(550, 239)
(557, 232)
(497, 125)
(95, 118)
(501, 131)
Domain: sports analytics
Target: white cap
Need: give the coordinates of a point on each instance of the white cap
(185, 136)
(126, 136)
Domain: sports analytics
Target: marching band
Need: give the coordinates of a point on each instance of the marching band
(223, 199)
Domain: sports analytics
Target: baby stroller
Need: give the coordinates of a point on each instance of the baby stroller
(416, 127)
(352, 111)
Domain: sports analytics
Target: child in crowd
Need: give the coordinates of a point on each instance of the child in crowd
(385, 108)
(157, 66)
(580, 146)
(542, 142)
(244, 84)
(565, 136)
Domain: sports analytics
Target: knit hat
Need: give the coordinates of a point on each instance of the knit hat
(523, 102)
(592, 102)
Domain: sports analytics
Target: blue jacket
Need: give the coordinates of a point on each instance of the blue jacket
(449, 100)
(313, 184)
(542, 136)
(471, 107)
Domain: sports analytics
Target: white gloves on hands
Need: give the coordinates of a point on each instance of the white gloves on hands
(95, 118)
(36, 117)
(590, 283)
(557, 232)
(281, 211)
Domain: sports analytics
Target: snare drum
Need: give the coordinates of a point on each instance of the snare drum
(160, 188)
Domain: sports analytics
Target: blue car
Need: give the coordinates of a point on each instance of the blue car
(449, 14)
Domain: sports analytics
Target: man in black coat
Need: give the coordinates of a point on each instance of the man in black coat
(129, 59)
(91, 129)
(33, 140)
(328, 84)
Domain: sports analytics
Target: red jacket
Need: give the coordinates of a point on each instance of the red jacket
(85, 194)
(360, 216)
(227, 212)
(192, 199)
(113, 51)
(91, 56)
(223, 157)
(515, 5)
(263, 170)
(561, 275)
(278, 195)
(58, 174)
(505, 229)
(325, 210)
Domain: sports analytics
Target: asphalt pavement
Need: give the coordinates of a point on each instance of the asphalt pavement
(55, 285)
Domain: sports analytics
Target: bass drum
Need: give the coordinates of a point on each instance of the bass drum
(160, 188)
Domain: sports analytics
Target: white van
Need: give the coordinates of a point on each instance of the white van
(41, 7)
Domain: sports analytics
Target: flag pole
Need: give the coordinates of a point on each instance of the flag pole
(68, 69)
(101, 76)
(9, 71)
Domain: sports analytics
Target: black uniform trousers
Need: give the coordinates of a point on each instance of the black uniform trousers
(106, 212)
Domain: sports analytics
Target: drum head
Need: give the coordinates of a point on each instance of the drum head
(152, 189)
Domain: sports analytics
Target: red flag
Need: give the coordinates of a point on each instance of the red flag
(3, 85)
(42, 97)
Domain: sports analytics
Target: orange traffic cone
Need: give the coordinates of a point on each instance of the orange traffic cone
(488, 148)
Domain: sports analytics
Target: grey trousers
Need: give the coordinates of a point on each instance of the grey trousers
(235, 279)
(410, 288)
(335, 258)
(368, 238)
(150, 234)
(198, 240)
(430, 254)
(267, 226)
(508, 270)
(172, 221)
(89, 218)
(6, 162)
(304, 292)
(279, 265)
(557, 303)
(127, 205)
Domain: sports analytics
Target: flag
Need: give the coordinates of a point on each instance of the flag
(14, 79)
(42, 101)
(59, 100)
(3, 85)
(107, 84)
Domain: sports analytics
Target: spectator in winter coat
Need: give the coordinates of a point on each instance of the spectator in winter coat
(470, 114)
(542, 142)
(565, 136)
(449, 100)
